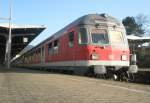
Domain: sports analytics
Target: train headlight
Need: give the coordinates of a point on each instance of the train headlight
(111, 56)
(95, 56)
(124, 57)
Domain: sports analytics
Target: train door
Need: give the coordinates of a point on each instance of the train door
(42, 55)
(71, 46)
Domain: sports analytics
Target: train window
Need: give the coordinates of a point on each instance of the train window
(71, 39)
(83, 39)
(99, 36)
(56, 44)
(39, 53)
(50, 50)
(42, 51)
(116, 38)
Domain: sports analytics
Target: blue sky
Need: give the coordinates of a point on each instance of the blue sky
(56, 14)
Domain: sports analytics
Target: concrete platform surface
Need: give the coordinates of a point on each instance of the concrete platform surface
(32, 86)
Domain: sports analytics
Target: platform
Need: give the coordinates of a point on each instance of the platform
(33, 86)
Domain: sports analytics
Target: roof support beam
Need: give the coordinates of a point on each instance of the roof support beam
(23, 34)
(9, 40)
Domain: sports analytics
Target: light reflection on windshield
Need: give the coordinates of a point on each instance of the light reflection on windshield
(116, 38)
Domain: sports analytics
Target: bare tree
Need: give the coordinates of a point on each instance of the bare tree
(144, 22)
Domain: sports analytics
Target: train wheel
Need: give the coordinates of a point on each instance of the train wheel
(112, 76)
(104, 76)
(129, 77)
(101, 76)
(115, 77)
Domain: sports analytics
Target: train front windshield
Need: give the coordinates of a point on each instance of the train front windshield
(99, 37)
(116, 39)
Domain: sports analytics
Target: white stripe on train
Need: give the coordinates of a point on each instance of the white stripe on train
(82, 63)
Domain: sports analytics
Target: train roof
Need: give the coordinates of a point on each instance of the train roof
(89, 19)
(84, 20)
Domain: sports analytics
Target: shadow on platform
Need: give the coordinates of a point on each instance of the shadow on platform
(21, 70)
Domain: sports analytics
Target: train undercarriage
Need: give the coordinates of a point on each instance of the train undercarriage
(109, 72)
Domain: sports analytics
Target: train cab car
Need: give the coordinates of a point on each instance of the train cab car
(94, 43)
(106, 45)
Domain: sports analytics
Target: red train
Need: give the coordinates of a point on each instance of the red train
(93, 44)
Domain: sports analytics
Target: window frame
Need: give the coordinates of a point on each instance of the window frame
(50, 49)
(55, 44)
(122, 39)
(53, 49)
(71, 44)
(79, 37)
(107, 33)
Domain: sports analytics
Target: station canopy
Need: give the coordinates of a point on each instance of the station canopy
(22, 35)
(137, 39)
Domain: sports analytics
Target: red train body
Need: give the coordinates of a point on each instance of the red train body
(93, 42)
